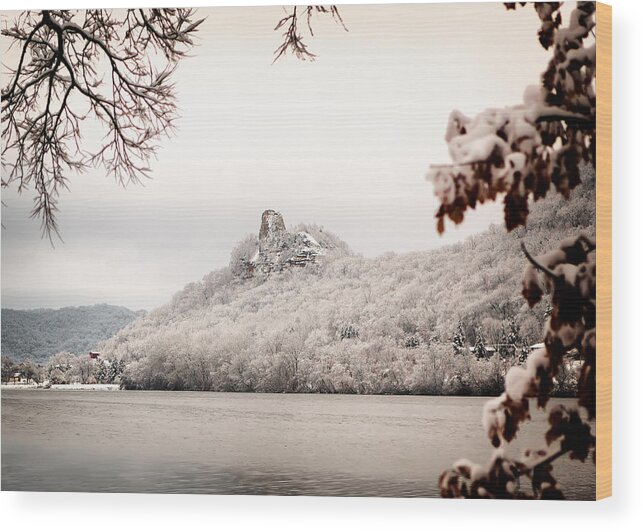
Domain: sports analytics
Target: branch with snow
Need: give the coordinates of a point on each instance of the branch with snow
(522, 152)
(525, 150)
(568, 273)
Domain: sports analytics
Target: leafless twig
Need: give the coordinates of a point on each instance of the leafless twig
(292, 36)
(75, 65)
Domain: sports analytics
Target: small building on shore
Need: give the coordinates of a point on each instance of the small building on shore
(18, 377)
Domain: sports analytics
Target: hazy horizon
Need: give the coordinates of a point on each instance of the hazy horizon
(343, 142)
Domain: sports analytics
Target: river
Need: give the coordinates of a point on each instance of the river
(276, 444)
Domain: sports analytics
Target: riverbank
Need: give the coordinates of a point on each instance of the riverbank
(63, 387)
(117, 387)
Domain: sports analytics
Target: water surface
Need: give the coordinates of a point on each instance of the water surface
(277, 444)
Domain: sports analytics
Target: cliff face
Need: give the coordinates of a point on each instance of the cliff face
(279, 249)
(272, 224)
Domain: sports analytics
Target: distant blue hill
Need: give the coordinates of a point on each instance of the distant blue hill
(40, 333)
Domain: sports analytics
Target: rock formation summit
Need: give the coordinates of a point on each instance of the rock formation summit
(279, 249)
(272, 223)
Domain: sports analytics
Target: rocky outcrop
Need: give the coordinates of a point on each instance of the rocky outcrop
(272, 224)
(279, 249)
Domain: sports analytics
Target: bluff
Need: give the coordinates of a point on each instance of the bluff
(347, 323)
(278, 249)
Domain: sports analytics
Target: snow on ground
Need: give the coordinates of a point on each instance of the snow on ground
(66, 387)
(100, 387)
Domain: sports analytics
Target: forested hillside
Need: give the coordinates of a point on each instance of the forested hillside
(39, 334)
(392, 324)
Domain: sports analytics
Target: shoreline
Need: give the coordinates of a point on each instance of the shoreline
(63, 387)
(117, 388)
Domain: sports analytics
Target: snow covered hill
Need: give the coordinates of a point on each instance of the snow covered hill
(298, 311)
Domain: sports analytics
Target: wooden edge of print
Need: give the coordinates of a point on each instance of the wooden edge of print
(604, 251)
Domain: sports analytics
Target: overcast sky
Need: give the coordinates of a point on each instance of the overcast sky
(344, 142)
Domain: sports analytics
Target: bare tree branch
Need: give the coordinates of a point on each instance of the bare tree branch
(292, 37)
(75, 65)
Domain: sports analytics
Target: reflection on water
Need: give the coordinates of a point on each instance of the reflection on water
(105, 475)
(165, 442)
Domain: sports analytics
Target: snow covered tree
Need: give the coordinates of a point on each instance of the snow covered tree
(85, 368)
(348, 331)
(479, 347)
(412, 341)
(459, 339)
(30, 371)
(59, 367)
(113, 67)
(524, 151)
(100, 372)
(510, 339)
(114, 370)
(8, 368)
(241, 256)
